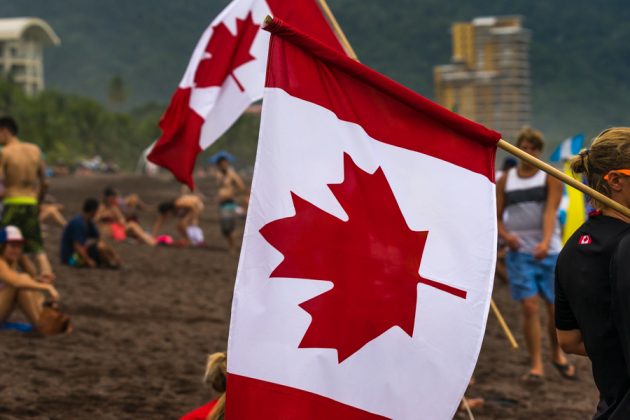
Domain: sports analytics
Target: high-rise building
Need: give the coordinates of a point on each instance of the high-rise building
(488, 80)
(22, 42)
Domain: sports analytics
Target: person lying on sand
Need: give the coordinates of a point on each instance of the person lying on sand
(130, 204)
(186, 209)
(113, 223)
(52, 211)
(81, 245)
(19, 289)
(216, 375)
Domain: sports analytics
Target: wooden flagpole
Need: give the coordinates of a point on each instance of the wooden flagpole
(338, 31)
(504, 325)
(468, 410)
(607, 201)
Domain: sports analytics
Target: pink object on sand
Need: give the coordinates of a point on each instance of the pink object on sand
(164, 240)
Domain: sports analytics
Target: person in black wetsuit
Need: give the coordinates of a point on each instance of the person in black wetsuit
(593, 277)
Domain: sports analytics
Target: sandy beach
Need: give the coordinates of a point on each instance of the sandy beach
(142, 333)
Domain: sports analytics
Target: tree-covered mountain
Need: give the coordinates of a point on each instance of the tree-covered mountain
(580, 50)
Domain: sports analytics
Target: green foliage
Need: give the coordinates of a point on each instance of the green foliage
(68, 128)
(117, 91)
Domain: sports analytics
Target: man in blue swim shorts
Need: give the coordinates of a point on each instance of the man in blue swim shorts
(527, 208)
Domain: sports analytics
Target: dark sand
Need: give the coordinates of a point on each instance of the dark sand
(143, 333)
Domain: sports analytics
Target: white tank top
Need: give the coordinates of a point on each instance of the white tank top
(525, 200)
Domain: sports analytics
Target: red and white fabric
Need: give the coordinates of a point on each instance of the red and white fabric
(366, 270)
(224, 76)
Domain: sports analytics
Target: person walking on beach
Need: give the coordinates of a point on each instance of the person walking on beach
(593, 276)
(528, 201)
(230, 185)
(22, 170)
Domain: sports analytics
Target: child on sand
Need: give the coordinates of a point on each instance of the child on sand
(81, 245)
(216, 375)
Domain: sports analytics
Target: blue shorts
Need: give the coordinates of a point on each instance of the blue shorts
(529, 277)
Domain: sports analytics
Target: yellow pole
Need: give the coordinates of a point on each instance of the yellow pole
(607, 201)
(338, 31)
(504, 325)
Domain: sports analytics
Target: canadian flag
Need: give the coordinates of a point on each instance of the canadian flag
(224, 76)
(366, 270)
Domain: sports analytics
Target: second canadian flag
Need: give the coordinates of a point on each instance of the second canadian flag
(225, 75)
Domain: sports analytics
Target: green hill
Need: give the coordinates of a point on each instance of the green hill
(580, 51)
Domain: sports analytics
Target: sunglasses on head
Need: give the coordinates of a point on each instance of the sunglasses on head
(625, 172)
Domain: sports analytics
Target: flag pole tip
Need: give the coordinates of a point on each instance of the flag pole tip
(268, 20)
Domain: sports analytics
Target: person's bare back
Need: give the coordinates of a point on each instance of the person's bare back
(22, 172)
(189, 202)
(22, 168)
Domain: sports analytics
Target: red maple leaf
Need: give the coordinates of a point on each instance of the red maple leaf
(227, 52)
(373, 260)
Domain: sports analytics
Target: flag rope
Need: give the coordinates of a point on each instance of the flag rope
(556, 173)
(337, 28)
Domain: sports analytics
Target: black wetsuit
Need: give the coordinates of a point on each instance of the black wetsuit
(593, 296)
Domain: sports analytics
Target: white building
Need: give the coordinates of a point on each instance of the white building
(22, 42)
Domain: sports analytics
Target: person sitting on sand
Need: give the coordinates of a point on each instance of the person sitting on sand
(50, 209)
(216, 375)
(230, 185)
(187, 209)
(19, 289)
(81, 245)
(112, 222)
(129, 206)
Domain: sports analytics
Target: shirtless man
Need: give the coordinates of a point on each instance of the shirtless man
(23, 172)
(187, 208)
(230, 185)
